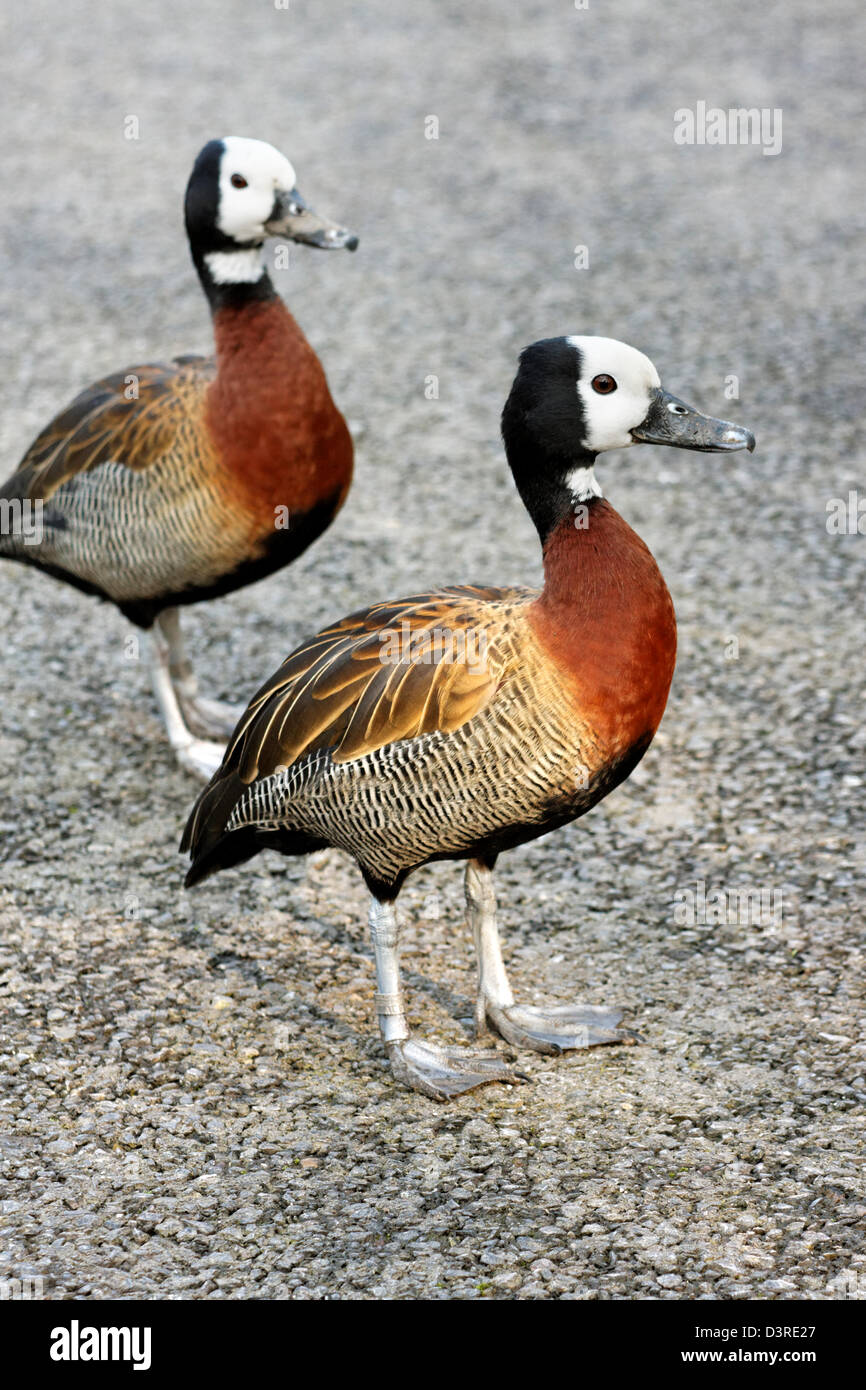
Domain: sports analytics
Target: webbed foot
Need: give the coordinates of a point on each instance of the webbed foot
(556, 1028)
(209, 718)
(200, 757)
(442, 1073)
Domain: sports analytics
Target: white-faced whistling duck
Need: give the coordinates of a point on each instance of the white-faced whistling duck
(168, 484)
(459, 723)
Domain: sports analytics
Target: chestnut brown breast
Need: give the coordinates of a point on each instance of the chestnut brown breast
(606, 621)
(275, 428)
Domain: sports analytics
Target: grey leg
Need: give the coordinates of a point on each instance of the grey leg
(208, 718)
(197, 755)
(553, 1028)
(389, 996)
(493, 987)
(436, 1072)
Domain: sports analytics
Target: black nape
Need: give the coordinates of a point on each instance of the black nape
(232, 295)
(201, 210)
(543, 430)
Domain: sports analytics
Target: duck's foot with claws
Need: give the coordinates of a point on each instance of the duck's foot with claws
(208, 718)
(556, 1027)
(200, 757)
(553, 1028)
(437, 1072)
(442, 1073)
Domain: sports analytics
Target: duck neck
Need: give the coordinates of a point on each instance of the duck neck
(607, 620)
(588, 559)
(552, 474)
(233, 277)
(270, 411)
(262, 358)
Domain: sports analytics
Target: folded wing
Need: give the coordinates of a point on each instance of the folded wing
(388, 673)
(130, 417)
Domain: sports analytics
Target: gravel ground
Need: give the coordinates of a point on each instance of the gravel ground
(195, 1102)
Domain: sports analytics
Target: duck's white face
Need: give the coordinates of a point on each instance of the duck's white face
(615, 385)
(252, 175)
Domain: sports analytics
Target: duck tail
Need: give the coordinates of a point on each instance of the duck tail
(213, 847)
(206, 831)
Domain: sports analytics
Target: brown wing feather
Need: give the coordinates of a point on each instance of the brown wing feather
(107, 423)
(335, 692)
(341, 690)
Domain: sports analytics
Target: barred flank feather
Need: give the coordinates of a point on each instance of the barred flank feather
(145, 525)
(333, 751)
(163, 483)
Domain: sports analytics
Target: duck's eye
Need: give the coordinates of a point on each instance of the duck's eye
(603, 384)
(238, 181)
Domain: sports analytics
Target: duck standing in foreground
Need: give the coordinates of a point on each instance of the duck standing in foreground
(459, 723)
(168, 484)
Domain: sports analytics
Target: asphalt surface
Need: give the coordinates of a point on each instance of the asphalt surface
(195, 1102)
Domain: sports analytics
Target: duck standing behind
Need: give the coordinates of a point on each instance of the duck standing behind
(169, 484)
